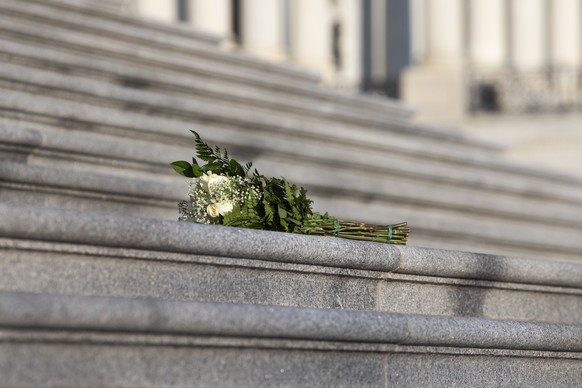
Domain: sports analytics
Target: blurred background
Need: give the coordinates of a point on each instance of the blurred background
(508, 69)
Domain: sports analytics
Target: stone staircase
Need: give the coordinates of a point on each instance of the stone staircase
(117, 99)
(95, 105)
(126, 301)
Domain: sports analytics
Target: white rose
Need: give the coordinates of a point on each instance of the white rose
(212, 210)
(210, 178)
(221, 208)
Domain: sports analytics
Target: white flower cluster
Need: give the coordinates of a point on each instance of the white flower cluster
(212, 196)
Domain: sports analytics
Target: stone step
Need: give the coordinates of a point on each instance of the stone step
(153, 58)
(170, 126)
(85, 20)
(61, 188)
(188, 86)
(86, 153)
(98, 254)
(113, 6)
(145, 342)
(453, 211)
(156, 59)
(115, 10)
(374, 153)
(93, 92)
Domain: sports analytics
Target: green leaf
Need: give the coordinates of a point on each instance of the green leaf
(197, 171)
(203, 150)
(183, 168)
(214, 167)
(235, 169)
(248, 167)
(294, 221)
(284, 224)
(282, 213)
(269, 214)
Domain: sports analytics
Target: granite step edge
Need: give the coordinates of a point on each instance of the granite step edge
(32, 266)
(111, 230)
(153, 316)
(83, 22)
(188, 85)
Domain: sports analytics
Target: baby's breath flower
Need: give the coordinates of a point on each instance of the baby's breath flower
(214, 195)
(209, 180)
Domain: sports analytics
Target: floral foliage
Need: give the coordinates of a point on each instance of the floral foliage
(223, 191)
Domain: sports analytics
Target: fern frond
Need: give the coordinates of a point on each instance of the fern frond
(203, 150)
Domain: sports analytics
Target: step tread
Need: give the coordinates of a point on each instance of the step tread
(32, 266)
(102, 229)
(188, 85)
(156, 59)
(106, 314)
(120, 30)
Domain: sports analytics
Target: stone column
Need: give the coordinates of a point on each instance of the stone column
(487, 35)
(212, 16)
(436, 86)
(263, 28)
(350, 18)
(566, 54)
(311, 35)
(418, 27)
(529, 35)
(163, 10)
(566, 37)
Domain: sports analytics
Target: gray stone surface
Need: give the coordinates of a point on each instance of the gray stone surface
(190, 85)
(110, 120)
(162, 276)
(413, 370)
(82, 191)
(91, 23)
(118, 50)
(116, 10)
(24, 365)
(65, 85)
(397, 109)
(29, 364)
(112, 230)
(423, 261)
(216, 240)
(28, 311)
(156, 60)
(83, 270)
(139, 190)
(523, 233)
(484, 301)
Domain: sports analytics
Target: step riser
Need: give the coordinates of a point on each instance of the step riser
(384, 156)
(103, 335)
(33, 364)
(156, 61)
(91, 24)
(88, 8)
(188, 85)
(132, 55)
(227, 280)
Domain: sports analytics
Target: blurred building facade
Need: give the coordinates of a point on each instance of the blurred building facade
(453, 60)
(354, 44)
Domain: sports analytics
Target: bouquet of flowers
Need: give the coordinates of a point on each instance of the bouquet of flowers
(224, 192)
